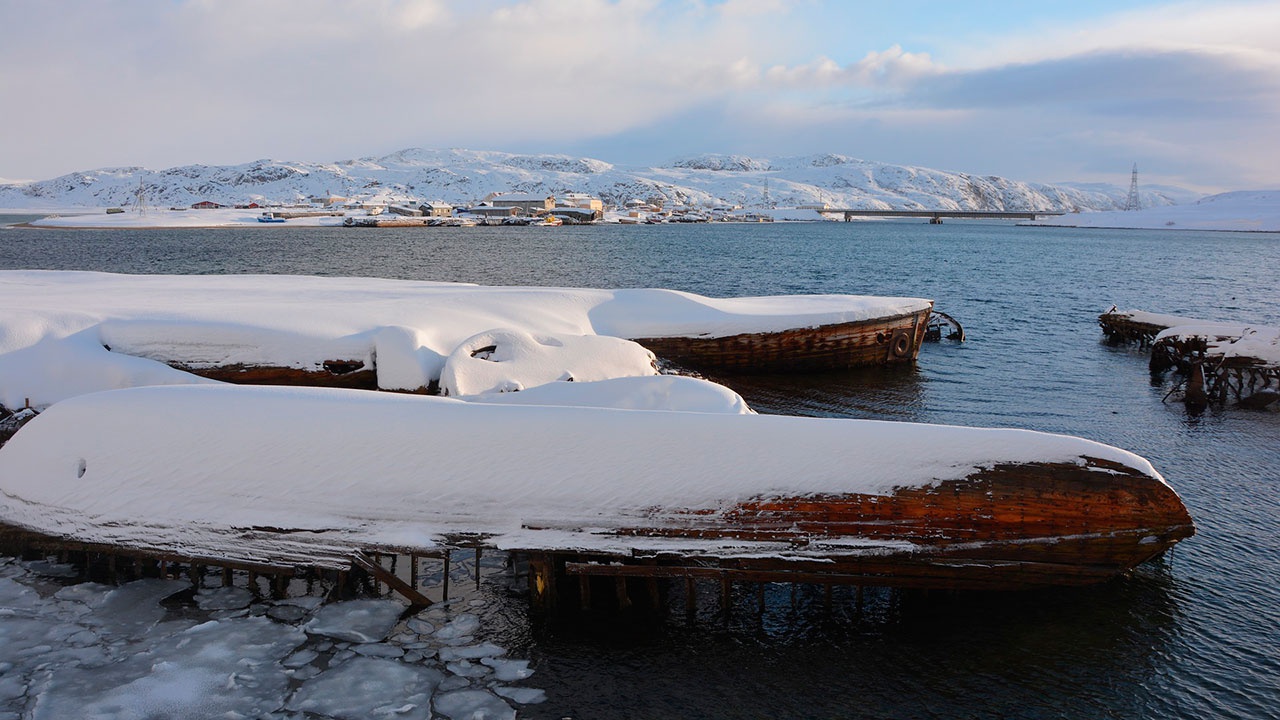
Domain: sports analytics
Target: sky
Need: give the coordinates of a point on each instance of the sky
(1046, 91)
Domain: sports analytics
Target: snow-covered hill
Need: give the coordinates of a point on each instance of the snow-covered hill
(466, 176)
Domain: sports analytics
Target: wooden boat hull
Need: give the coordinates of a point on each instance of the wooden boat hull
(308, 477)
(1011, 527)
(878, 341)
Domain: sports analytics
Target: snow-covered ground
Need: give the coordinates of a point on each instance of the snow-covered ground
(1249, 211)
(220, 217)
(84, 650)
(230, 217)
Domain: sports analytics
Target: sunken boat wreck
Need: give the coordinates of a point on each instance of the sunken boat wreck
(311, 477)
(621, 473)
(1219, 361)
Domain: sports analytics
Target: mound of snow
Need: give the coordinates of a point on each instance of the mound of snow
(512, 360)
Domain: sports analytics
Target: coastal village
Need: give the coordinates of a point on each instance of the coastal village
(497, 208)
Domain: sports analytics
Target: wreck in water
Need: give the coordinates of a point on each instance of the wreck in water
(284, 477)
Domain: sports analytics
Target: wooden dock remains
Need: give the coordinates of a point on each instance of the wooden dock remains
(1212, 357)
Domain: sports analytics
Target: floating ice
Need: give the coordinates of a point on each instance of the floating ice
(472, 705)
(467, 669)
(521, 695)
(223, 598)
(133, 608)
(462, 625)
(16, 596)
(286, 613)
(508, 670)
(381, 650)
(357, 621)
(300, 658)
(369, 688)
(453, 682)
(212, 670)
(471, 652)
(420, 626)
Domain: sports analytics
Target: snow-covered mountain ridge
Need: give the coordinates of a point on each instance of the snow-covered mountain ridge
(466, 176)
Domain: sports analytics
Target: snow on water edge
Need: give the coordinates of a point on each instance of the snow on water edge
(90, 650)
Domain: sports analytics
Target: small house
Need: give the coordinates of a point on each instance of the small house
(494, 215)
(581, 200)
(436, 208)
(577, 215)
(529, 203)
(206, 205)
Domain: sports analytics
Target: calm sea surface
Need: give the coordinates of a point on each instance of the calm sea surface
(1195, 635)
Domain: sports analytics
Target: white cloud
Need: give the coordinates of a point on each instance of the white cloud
(160, 84)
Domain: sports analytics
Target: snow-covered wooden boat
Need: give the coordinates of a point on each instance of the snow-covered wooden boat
(837, 346)
(396, 334)
(280, 476)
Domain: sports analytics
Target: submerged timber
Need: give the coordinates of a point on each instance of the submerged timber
(1220, 361)
(281, 477)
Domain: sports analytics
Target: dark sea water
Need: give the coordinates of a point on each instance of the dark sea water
(1194, 635)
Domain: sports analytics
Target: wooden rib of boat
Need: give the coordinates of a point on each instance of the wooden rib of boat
(878, 341)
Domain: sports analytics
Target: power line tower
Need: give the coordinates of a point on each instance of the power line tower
(1133, 202)
(140, 199)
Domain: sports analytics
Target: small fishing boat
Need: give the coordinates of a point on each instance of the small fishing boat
(269, 218)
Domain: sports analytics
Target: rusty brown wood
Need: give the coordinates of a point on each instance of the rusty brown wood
(880, 341)
(1120, 328)
(542, 585)
(342, 376)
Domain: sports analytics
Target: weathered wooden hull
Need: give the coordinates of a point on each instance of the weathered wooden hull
(768, 497)
(878, 341)
(867, 343)
(1010, 527)
(352, 374)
